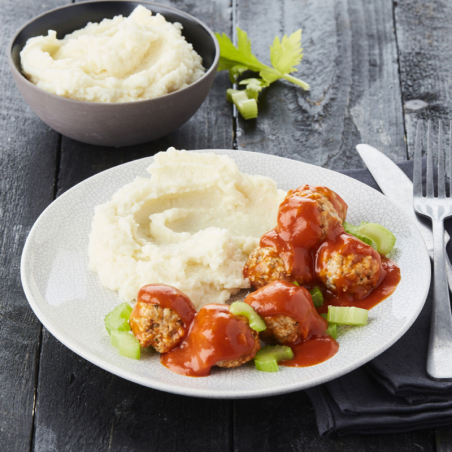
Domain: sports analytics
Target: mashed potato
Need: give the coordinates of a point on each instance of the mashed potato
(191, 225)
(117, 60)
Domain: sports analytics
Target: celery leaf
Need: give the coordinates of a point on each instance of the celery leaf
(286, 53)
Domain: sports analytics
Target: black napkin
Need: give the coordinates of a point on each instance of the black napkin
(392, 393)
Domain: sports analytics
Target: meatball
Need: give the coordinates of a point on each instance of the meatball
(161, 317)
(288, 312)
(156, 327)
(264, 266)
(245, 358)
(216, 338)
(281, 329)
(348, 266)
(330, 205)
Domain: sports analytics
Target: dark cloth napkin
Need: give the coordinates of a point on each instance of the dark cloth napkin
(392, 393)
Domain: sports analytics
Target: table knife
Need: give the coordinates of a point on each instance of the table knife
(396, 185)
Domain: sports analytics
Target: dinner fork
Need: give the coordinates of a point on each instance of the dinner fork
(437, 208)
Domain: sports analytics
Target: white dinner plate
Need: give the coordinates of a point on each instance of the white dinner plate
(71, 303)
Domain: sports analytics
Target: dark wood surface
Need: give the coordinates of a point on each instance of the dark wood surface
(366, 62)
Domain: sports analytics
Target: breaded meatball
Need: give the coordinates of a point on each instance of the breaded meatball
(348, 266)
(161, 317)
(281, 329)
(243, 359)
(287, 311)
(156, 327)
(216, 338)
(264, 266)
(331, 207)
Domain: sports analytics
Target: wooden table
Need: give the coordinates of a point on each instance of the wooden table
(366, 61)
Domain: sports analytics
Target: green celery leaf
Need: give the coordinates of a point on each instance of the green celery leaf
(287, 53)
(241, 55)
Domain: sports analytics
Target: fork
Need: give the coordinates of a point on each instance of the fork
(437, 208)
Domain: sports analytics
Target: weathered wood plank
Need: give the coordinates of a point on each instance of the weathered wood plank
(287, 423)
(351, 64)
(27, 164)
(443, 439)
(81, 407)
(424, 39)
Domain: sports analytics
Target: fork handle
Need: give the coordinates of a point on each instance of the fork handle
(439, 361)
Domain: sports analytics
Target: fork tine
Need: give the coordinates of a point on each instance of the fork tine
(441, 164)
(430, 189)
(417, 174)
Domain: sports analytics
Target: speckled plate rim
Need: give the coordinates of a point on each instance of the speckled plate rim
(423, 262)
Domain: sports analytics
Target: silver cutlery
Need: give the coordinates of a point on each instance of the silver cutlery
(394, 183)
(437, 208)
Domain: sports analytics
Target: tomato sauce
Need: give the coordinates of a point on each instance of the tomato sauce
(214, 336)
(311, 352)
(384, 289)
(168, 297)
(308, 238)
(313, 345)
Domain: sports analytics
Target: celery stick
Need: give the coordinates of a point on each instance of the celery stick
(229, 94)
(127, 344)
(332, 330)
(118, 317)
(266, 359)
(343, 315)
(246, 107)
(384, 238)
(317, 297)
(256, 321)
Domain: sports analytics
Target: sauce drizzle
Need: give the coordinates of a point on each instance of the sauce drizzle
(215, 335)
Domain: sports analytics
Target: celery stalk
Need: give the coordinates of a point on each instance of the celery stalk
(255, 320)
(317, 297)
(343, 315)
(266, 359)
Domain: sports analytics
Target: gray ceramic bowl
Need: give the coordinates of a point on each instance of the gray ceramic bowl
(115, 124)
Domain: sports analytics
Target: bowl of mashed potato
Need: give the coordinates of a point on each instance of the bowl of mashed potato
(114, 73)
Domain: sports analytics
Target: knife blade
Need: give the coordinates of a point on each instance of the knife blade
(396, 185)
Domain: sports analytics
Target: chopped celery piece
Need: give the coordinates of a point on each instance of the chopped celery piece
(266, 359)
(354, 230)
(343, 315)
(118, 317)
(127, 344)
(332, 330)
(241, 308)
(267, 366)
(229, 94)
(246, 107)
(384, 238)
(317, 297)
(239, 96)
(116, 323)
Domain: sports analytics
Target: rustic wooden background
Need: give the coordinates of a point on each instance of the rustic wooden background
(374, 68)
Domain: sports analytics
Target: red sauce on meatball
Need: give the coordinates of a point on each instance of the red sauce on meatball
(168, 297)
(310, 241)
(301, 225)
(313, 345)
(215, 335)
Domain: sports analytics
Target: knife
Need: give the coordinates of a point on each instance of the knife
(396, 185)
